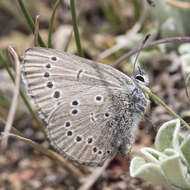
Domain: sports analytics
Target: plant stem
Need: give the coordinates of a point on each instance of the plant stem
(51, 22)
(51, 154)
(75, 27)
(159, 101)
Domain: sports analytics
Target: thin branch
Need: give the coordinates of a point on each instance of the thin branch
(12, 111)
(157, 42)
(36, 31)
(51, 154)
(51, 22)
(159, 101)
(90, 180)
(68, 41)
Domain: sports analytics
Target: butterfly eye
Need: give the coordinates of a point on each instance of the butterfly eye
(140, 78)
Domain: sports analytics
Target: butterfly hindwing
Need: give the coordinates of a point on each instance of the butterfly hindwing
(78, 128)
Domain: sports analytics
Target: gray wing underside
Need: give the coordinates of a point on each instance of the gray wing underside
(98, 141)
(69, 74)
(75, 79)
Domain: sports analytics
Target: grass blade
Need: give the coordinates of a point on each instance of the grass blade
(51, 22)
(75, 27)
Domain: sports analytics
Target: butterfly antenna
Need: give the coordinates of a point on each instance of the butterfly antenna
(137, 56)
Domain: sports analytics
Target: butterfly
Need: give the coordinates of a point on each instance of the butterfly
(91, 110)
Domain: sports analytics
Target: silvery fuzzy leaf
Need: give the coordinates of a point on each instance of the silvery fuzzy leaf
(153, 155)
(169, 167)
(169, 152)
(176, 173)
(185, 149)
(167, 136)
(148, 171)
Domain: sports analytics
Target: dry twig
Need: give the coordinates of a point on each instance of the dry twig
(154, 43)
(15, 99)
(51, 154)
(68, 41)
(36, 31)
(90, 180)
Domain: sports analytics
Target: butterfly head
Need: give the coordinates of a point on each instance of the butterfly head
(139, 99)
(141, 78)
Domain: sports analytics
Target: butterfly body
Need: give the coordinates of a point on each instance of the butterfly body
(91, 110)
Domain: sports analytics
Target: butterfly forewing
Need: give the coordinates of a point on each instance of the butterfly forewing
(51, 76)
